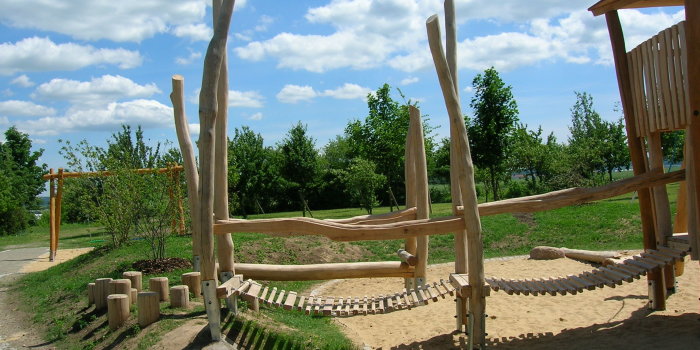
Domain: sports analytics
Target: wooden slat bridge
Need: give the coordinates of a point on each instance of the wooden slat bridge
(610, 275)
(254, 292)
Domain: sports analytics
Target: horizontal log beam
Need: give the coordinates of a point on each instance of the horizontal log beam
(315, 272)
(287, 227)
(577, 195)
(111, 173)
(397, 216)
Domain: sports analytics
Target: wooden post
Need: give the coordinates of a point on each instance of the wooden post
(57, 211)
(422, 196)
(208, 110)
(179, 296)
(692, 44)
(160, 286)
(91, 293)
(101, 292)
(190, 165)
(460, 236)
(136, 279)
(52, 217)
(193, 281)
(475, 262)
(180, 206)
(117, 310)
(662, 208)
(149, 308)
(411, 243)
(617, 40)
(133, 294)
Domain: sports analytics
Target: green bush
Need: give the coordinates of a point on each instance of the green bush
(440, 193)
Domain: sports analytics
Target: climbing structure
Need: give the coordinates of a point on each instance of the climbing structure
(207, 191)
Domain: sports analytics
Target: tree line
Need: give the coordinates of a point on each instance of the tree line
(362, 167)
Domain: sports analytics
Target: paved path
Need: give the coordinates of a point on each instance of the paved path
(13, 335)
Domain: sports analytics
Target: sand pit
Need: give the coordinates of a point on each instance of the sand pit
(603, 318)
(42, 262)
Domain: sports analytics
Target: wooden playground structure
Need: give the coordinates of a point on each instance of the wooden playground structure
(56, 199)
(660, 92)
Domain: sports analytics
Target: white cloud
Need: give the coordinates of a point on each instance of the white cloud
(409, 81)
(348, 91)
(189, 59)
(103, 19)
(295, 93)
(7, 92)
(3, 121)
(263, 23)
(107, 88)
(195, 32)
(22, 81)
(194, 129)
(147, 113)
(17, 108)
(41, 54)
(256, 116)
(373, 33)
(251, 99)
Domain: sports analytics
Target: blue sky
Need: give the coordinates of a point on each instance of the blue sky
(77, 70)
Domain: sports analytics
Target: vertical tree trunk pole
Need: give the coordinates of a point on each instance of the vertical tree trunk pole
(654, 277)
(120, 286)
(160, 286)
(477, 302)
(180, 206)
(662, 208)
(179, 296)
(692, 43)
(52, 217)
(190, 164)
(455, 189)
(57, 211)
(193, 281)
(91, 293)
(422, 200)
(208, 109)
(411, 243)
(224, 242)
(101, 292)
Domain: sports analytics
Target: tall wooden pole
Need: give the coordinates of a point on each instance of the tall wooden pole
(422, 198)
(461, 236)
(655, 279)
(52, 217)
(208, 110)
(692, 44)
(190, 165)
(411, 243)
(475, 261)
(57, 211)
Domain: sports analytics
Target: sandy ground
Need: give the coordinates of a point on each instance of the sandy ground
(600, 319)
(42, 262)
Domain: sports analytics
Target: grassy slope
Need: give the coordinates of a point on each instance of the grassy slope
(60, 291)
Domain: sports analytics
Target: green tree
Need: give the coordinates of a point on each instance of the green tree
(490, 132)
(334, 160)
(363, 182)
(252, 172)
(299, 163)
(533, 156)
(614, 151)
(585, 146)
(672, 144)
(20, 181)
(441, 158)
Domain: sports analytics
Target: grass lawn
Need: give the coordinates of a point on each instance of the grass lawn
(60, 292)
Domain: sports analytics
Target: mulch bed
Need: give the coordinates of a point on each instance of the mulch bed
(161, 265)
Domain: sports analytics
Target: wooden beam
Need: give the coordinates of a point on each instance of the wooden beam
(387, 218)
(52, 217)
(604, 6)
(692, 42)
(422, 195)
(68, 174)
(314, 272)
(287, 227)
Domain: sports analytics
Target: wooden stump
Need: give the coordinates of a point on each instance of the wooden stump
(133, 294)
(120, 286)
(193, 281)
(149, 308)
(546, 253)
(101, 292)
(117, 310)
(179, 296)
(136, 279)
(159, 285)
(91, 293)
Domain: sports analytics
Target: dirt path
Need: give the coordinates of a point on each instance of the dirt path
(15, 328)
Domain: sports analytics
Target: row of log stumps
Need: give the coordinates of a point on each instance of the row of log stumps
(116, 295)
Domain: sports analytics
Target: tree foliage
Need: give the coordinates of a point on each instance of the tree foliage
(490, 131)
(299, 165)
(20, 181)
(363, 183)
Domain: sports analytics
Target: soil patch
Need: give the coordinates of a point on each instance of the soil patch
(151, 266)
